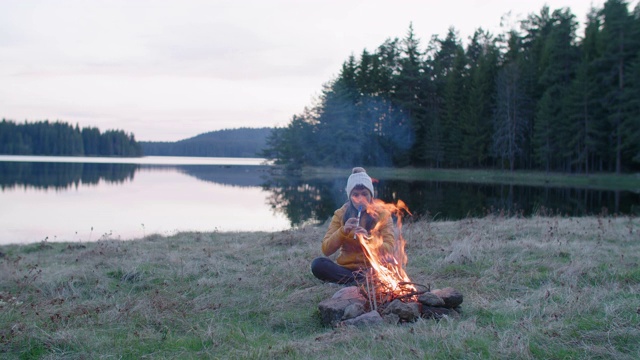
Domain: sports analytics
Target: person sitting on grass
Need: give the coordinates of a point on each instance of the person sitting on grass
(351, 263)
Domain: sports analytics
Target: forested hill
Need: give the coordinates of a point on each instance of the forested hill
(242, 142)
(59, 138)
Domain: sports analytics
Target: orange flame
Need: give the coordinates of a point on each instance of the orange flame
(388, 267)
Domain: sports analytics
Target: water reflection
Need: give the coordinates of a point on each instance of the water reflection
(314, 201)
(242, 176)
(128, 202)
(452, 200)
(304, 202)
(43, 175)
(60, 176)
(133, 198)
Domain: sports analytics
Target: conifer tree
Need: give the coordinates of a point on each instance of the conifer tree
(454, 92)
(482, 55)
(582, 104)
(511, 119)
(409, 92)
(631, 95)
(558, 60)
(616, 56)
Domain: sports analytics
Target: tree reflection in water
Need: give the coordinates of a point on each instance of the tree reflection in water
(45, 175)
(314, 201)
(303, 202)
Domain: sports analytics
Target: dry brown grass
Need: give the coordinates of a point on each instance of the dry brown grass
(542, 287)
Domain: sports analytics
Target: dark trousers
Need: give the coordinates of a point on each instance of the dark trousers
(326, 270)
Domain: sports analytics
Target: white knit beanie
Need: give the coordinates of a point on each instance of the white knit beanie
(359, 177)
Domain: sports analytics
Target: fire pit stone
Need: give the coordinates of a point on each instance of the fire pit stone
(348, 306)
(452, 298)
(407, 312)
(353, 311)
(366, 319)
(431, 299)
(332, 310)
(432, 312)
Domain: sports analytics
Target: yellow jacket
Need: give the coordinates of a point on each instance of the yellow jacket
(351, 254)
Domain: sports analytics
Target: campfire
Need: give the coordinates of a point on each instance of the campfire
(386, 292)
(387, 280)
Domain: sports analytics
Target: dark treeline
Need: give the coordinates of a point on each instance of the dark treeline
(242, 142)
(58, 138)
(539, 97)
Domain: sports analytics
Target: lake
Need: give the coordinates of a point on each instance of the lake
(87, 199)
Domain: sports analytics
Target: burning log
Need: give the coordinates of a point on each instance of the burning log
(379, 294)
(386, 278)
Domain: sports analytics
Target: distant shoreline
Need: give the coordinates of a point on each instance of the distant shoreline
(141, 160)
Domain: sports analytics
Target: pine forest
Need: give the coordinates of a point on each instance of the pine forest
(62, 139)
(539, 96)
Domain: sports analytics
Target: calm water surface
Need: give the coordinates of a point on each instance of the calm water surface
(66, 199)
(86, 199)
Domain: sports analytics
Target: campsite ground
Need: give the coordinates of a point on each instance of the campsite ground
(540, 287)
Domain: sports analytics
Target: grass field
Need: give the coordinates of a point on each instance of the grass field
(535, 288)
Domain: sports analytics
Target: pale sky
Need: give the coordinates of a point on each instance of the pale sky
(169, 70)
